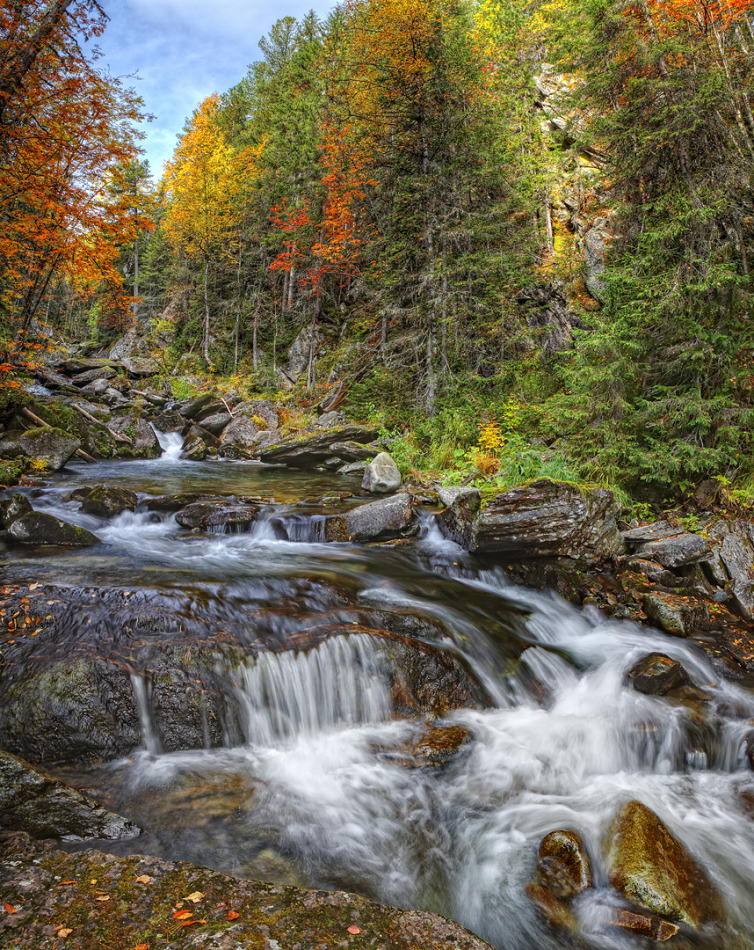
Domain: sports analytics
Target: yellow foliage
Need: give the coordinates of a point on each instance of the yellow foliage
(491, 438)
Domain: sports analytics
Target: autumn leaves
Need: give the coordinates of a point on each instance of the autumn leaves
(66, 136)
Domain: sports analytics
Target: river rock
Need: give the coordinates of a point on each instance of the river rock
(37, 527)
(644, 925)
(564, 868)
(49, 445)
(649, 866)
(13, 508)
(106, 502)
(315, 449)
(143, 892)
(381, 476)
(144, 443)
(736, 552)
(89, 376)
(216, 422)
(233, 519)
(437, 746)
(542, 519)
(680, 550)
(657, 674)
(191, 408)
(679, 616)
(376, 521)
(555, 911)
(34, 802)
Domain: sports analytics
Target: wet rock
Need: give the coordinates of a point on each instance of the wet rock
(315, 449)
(649, 866)
(13, 508)
(198, 432)
(37, 527)
(458, 520)
(678, 551)
(169, 421)
(644, 925)
(564, 868)
(69, 711)
(34, 802)
(49, 445)
(144, 443)
(679, 616)
(556, 912)
(436, 747)
(233, 519)
(542, 519)
(749, 749)
(376, 521)
(216, 422)
(381, 476)
(106, 502)
(175, 502)
(657, 674)
(264, 915)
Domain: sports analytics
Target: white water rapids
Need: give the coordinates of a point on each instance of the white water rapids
(322, 767)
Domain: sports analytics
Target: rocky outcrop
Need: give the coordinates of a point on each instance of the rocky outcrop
(37, 527)
(735, 548)
(49, 445)
(35, 802)
(649, 866)
(545, 309)
(140, 894)
(377, 521)
(542, 519)
(381, 476)
(328, 450)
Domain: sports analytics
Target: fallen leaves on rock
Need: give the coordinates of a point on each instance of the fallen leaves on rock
(182, 914)
(143, 879)
(354, 930)
(232, 915)
(195, 897)
(64, 932)
(10, 909)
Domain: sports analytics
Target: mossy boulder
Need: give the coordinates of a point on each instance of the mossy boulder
(107, 501)
(13, 508)
(37, 527)
(649, 866)
(134, 901)
(46, 444)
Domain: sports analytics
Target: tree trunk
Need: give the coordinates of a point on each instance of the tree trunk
(205, 341)
(135, 304)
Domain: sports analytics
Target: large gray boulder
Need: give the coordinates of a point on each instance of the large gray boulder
(240, 438)
(37, 527)
(735, 548)
(381, 476)
(49, 445)
(381, 520)
(35, 802)
(318, 449)
(541, 519)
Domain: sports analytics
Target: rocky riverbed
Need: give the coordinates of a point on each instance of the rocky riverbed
(269, 655)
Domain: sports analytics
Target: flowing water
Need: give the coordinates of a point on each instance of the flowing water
(314, 787)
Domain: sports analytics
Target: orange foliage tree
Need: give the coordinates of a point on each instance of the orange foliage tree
(65, 130)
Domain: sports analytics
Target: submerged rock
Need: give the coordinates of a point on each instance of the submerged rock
(50, 445)
(35, 802)
(649, 866)
(657, 674)
(105, 502)
(37, 527)
(232, 519)
(555, 911)
(542, 519)
(381, 475)
(564, 868)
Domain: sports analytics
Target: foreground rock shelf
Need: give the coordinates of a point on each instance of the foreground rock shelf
(93, 900)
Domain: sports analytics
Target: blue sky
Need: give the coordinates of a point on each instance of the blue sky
(181, 51)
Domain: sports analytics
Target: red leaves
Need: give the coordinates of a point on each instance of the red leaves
(10, 909)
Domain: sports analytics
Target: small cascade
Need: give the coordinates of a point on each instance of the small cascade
(300, 528)
(171, 444)
(149, 738)
(289, 695)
